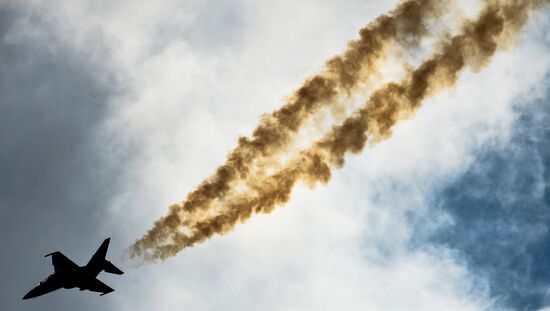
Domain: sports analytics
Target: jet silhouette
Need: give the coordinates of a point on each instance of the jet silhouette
(67, 274)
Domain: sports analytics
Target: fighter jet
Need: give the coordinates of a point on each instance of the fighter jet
(67, 274)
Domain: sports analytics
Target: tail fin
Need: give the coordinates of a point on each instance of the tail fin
(99, 256)
(99, 263)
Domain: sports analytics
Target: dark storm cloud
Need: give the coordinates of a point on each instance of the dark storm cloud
(53, 188)
(500, 210)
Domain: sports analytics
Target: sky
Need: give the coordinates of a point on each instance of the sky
(111, 111)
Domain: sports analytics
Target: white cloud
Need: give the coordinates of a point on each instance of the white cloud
(344, 246)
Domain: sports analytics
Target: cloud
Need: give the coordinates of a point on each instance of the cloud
(364, 242)
(376, 237)
(374, 234)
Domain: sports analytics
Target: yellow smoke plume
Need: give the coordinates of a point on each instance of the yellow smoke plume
(215, 206)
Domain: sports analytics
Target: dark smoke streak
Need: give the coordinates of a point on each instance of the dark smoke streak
(473, 47)
(342, 74)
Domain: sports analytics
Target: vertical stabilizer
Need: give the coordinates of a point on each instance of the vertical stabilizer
(99, 257)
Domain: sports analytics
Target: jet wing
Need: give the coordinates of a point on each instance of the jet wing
(60, 262)
(41, 289)
(98, 286)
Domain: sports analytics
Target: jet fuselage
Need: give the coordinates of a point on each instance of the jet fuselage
(69, 275)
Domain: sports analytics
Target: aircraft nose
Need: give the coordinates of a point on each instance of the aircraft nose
(27, 296)
(30, 294)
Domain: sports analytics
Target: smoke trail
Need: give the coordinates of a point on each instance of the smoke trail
(473, 47)
(403, 26)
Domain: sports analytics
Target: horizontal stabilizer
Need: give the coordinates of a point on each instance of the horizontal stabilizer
(110, 268)
(98, 286)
